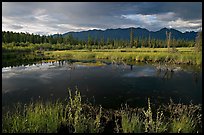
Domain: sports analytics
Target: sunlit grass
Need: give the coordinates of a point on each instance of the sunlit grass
(182, 56)
(90, 64)
(73, 116)
(180, 49)
(184, 118)
(52, 117)
(131, 122)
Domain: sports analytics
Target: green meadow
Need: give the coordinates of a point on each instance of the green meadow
(158, 55)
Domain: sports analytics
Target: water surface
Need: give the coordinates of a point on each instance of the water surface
(109, 85)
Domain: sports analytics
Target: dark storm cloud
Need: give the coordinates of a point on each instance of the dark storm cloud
(54, 17)
(185, 10)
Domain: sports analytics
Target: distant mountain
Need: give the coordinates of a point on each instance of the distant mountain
(124, 34)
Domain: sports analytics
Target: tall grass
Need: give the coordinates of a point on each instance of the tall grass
(36, 117)
(75, 117)
(52, 117)
(173, 118)
(183, 56)
(157, 125)
(131, 122)
(184, 118)
(139, 121)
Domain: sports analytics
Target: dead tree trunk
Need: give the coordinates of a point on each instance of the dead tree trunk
(168, 39)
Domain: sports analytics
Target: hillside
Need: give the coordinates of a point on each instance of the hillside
(124, 34)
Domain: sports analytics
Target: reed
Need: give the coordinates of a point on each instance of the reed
(183, 56)
(73, 116)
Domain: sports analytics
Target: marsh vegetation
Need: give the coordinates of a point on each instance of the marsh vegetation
(34, 48)
(74, 116)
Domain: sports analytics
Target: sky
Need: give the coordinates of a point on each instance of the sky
(47, 18)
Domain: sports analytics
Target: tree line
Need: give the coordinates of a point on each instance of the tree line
(60, 42)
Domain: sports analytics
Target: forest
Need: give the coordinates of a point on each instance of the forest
(59, 42)
(26, 48)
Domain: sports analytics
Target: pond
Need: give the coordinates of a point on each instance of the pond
(109, 85)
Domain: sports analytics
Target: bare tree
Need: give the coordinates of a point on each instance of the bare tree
(149, 43)
(131, 37)
(173, 46)
(168, 39)
(198, 42)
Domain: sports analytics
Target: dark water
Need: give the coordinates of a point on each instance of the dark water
(109, 85)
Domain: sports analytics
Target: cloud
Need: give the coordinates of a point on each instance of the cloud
(168, 20)
(61, 17)
(16, 26)
(190, 24)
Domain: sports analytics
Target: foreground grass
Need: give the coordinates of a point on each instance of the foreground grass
(90, 64)
(75, 117)
(182, 56)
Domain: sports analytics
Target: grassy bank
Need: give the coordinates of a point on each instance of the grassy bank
(182, 56)
(75, 117)
(185, 55)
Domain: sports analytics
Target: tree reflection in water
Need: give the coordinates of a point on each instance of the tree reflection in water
(165, 74)
(195, 77)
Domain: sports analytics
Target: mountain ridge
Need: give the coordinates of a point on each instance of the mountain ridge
(124, 34)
